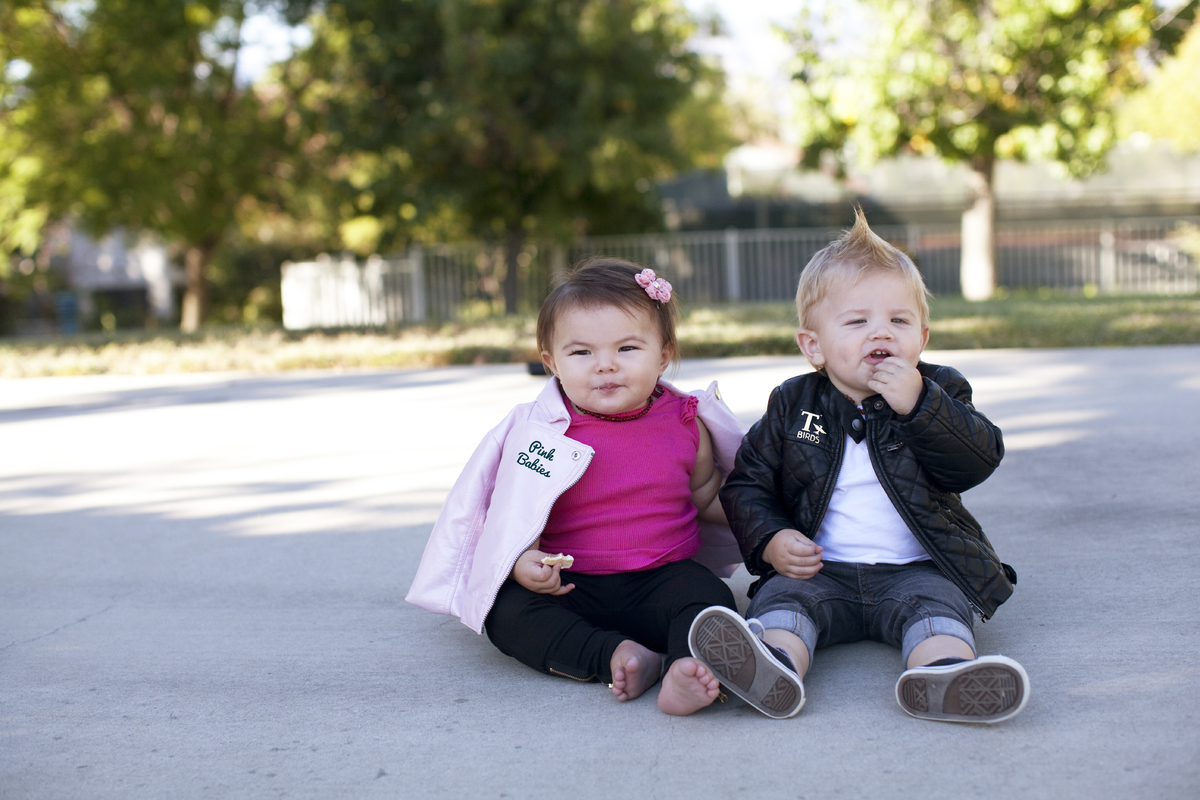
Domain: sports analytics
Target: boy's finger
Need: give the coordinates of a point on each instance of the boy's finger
(799, 548)
(797, 564)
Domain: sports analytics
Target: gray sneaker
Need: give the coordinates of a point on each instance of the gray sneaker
(744, 664)
(988, 689)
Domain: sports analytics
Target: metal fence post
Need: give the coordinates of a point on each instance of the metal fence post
(733, 268)
(558, 263)
(912, 232)
(416, 258)
(1108, 258)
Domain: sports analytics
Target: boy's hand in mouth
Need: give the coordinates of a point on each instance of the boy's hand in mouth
(897, 380)
(879, 355)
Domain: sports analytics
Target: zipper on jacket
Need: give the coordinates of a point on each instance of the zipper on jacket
(529, 543)
(822, 509)
(934, 556)
(830, 485)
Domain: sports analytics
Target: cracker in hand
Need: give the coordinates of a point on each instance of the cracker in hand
(566, 561)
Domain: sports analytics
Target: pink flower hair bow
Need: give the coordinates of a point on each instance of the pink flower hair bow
(656, 287)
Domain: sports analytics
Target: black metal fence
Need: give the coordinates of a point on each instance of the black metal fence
(465, 281)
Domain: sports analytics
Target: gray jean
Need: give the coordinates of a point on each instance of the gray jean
(897, 604)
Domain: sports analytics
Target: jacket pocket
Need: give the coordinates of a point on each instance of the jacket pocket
(960, 518)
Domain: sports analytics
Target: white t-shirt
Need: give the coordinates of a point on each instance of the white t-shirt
(862, 526)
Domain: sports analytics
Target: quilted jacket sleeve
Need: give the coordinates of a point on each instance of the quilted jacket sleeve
(956, 445)
(751, 494)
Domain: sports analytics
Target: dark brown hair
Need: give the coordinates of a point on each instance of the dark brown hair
(605, 281)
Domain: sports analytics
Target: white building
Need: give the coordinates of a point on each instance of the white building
(120, 264)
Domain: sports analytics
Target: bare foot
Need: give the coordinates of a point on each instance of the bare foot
(687, 687)
(634, 669)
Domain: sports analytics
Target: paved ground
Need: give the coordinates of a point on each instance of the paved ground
(202, 583)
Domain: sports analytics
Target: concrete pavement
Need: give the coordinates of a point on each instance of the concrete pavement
(202, 582)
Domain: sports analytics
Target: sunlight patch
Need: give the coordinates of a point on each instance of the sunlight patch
(413, 509)
(1049, 419)
(1036, 439)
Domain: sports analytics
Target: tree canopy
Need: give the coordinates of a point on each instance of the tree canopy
(1169, 106)
(973, 82)
(517, 116)
(128, 113)
(434, 118)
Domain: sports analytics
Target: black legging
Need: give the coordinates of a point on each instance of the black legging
(575, 634)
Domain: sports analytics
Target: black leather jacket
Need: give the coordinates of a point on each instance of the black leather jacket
(788, 465)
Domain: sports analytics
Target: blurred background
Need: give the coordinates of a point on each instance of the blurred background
(384, 164)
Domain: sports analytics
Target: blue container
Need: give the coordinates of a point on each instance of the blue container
(66, 307)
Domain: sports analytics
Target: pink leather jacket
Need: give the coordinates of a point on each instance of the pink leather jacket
(501, 501)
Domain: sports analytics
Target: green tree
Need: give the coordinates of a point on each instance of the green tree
(128, 113)
(1169, 106)
(973, 81)
(21, 220)
(519, 117)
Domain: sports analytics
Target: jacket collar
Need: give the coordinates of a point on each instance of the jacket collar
(550, 408)
(846, 413)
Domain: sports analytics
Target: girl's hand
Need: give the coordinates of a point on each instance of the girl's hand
(530, 572)
(793, 554)
(899, 382)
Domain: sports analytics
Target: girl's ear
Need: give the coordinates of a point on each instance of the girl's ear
(811, 347)
(667, 352)
(548, 362)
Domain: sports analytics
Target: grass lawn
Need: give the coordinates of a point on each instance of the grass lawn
(747, 329)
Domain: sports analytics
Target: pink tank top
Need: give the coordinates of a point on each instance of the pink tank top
(632, 509)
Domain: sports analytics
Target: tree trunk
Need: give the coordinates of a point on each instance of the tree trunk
(512, 283)
(977, 270)
(195, 298)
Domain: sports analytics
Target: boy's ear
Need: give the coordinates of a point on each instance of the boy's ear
(811, 347)
(924, 337)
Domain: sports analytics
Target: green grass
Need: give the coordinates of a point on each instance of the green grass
(1065, 322)
(1015, 321)
(758, 329)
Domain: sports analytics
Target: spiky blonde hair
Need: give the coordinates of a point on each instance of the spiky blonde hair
(858, 253)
